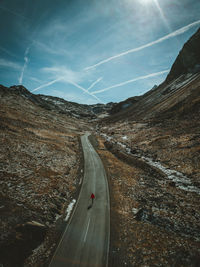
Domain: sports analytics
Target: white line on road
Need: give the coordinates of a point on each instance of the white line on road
(86, 230)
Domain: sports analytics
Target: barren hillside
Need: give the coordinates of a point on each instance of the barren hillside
(150, 145)
(41, 171)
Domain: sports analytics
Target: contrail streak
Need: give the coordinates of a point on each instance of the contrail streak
(25, 65)
(132, 80)
(73, 83)
(46, 84)
(84, 90)
(166, 37)
(94, 83)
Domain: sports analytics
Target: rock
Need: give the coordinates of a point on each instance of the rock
(188, 58)
(36, 224)
(135, 211)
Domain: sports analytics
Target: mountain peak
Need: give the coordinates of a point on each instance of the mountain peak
(188, 60)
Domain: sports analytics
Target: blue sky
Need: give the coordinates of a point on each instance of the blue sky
(90, 51)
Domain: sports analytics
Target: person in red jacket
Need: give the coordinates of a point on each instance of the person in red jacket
(92, 197)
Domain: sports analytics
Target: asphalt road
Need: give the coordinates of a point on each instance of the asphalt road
(85, 241)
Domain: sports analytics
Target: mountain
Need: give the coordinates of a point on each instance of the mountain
(188, 60)
(150, 147)
(176, 96)
(60, 105)
(41, 166)
(117, 107)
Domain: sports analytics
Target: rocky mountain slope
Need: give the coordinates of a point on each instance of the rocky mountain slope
(152, 153)
(188, 60)
(178, 93)
(59, 105)
(40, 174)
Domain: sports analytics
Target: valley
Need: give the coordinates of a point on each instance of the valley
(150, 148)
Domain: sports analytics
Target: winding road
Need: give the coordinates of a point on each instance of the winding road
(85, 241)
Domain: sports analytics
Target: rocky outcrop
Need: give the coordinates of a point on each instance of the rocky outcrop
(188, 59)
(124, 104)
(178, 95)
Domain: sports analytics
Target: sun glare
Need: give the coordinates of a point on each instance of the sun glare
(145, 1)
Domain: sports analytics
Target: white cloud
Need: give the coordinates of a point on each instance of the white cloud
(9, 64)
(131, 81)
(63, 72)
(166, 37)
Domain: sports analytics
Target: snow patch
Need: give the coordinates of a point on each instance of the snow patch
(69, 209)
(181, 180)
(135, 210)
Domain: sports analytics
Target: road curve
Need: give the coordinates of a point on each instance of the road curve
(85, 241)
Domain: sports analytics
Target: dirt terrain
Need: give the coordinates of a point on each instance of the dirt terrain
(154, 220)
(153, 167)
(40, 174)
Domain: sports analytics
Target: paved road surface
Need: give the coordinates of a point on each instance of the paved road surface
(86, 238)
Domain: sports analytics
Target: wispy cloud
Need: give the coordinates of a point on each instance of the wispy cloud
(64, 73)
(25, 65)
(68, 76)
(51, 48)
(13, 12)
(36, 80)
(131, 81)
(7, 52)
(94, 83)
(166, 37)
(9, 64)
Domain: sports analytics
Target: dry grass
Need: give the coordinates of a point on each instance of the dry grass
(136, 242)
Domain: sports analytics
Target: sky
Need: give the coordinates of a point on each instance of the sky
(92, 51)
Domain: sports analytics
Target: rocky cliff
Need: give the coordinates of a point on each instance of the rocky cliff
(188, 60)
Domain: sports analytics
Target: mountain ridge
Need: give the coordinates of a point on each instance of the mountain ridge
(59, 105)
(179, 86)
